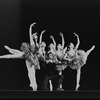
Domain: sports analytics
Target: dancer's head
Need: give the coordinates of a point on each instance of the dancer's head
(50, 56)
(25, 47)
(71, 46)
(59, 47)
(43, 45)
(52, 46)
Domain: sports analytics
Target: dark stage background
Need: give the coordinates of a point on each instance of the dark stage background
(54, 16)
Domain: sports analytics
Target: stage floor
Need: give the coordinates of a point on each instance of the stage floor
(50, 94)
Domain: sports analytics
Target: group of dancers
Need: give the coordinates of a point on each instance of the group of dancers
(55, 59)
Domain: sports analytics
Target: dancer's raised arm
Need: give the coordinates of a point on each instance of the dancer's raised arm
(30, 34)
(78, 41)
(54, 42)
(63, 41)
(40, 39)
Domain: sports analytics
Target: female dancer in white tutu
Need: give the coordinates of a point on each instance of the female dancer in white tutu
(29, 53)
(78, 58)
(81, 60)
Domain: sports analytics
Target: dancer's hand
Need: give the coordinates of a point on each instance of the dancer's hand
(43, 31)
(33, 24)
(61, 34)
(51, 36)
(75, 34)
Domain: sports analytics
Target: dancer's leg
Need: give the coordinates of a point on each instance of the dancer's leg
(89, 51)
(78, 78)
(38, 64)
(45, 82)
(60, 80)
(60, 73)
(31, 75)
(87, 54)
(11, 56)
(12, 50)
(51, 86)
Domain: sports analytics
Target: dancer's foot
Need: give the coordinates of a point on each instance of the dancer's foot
(34, 87)
(7, 47)
(60, 89)
(77, 87)
(93, 47)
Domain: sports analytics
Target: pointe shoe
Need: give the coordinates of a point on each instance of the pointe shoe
(77, 88)
(34, 87)
(6, 47)
(93, 47)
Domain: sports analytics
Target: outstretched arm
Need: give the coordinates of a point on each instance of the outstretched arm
(54, 42)
(78, 41)
(63, 41)
(30, 34)
(40, 39)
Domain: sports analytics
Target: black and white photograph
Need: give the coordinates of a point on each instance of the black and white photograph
(49, 48)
